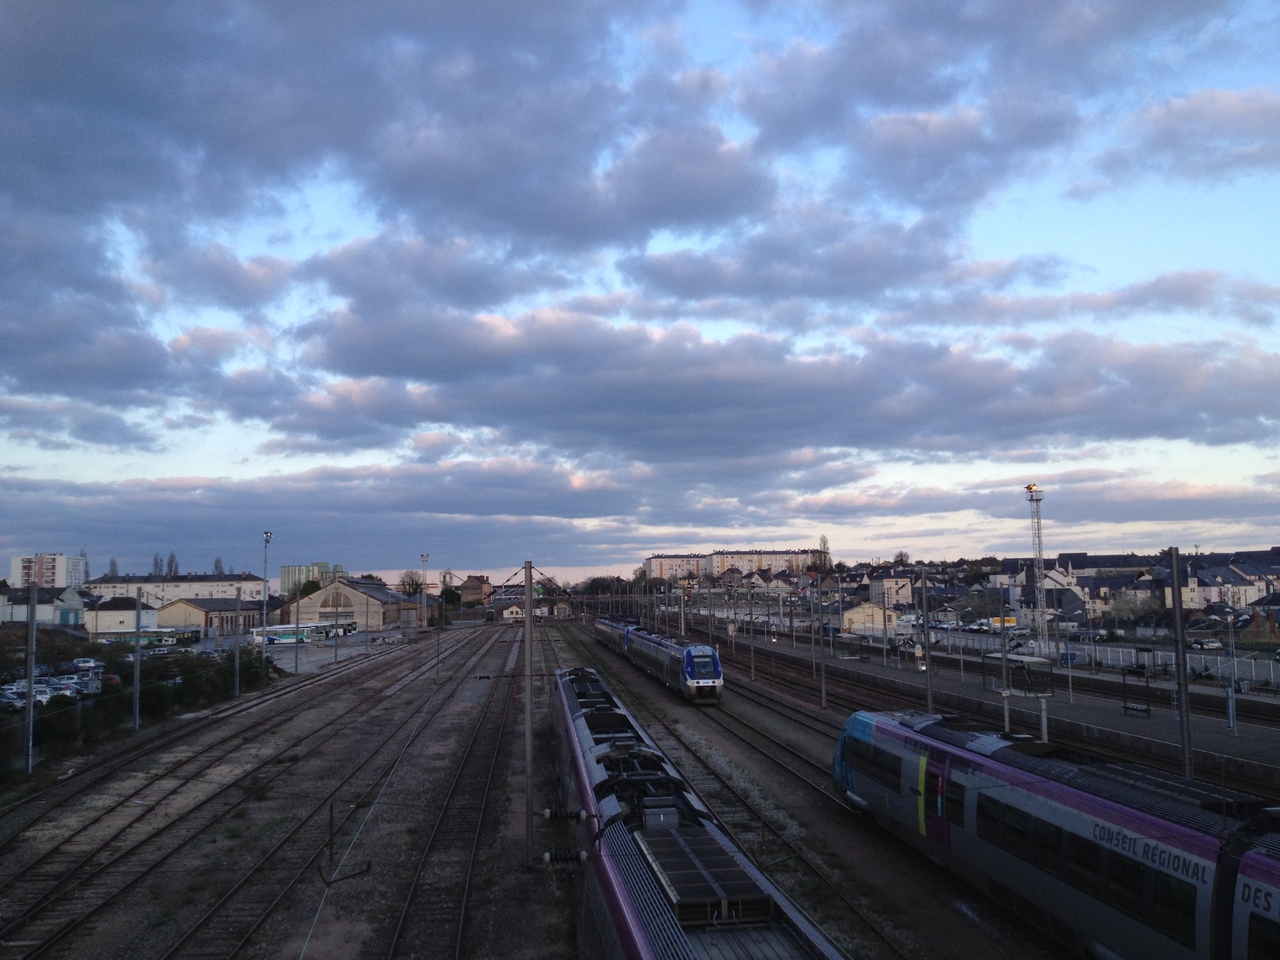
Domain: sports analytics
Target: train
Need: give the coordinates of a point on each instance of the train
(691, 669)
(658, 876)
(1115, 861)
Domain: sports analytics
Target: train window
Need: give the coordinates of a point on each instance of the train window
(1084, 864)
(1176, 912)
(1124, 885)
(879, 765)
(955, 802)
(989, 818)
(1048, 848)
(1016, 835)
(704, 668)
(1264, 938)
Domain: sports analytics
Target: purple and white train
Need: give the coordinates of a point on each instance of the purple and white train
(1115, 861)
(691, 669)
(659, 876)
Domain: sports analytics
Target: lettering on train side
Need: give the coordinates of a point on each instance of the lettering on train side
(1256, 897)
(1158, 855)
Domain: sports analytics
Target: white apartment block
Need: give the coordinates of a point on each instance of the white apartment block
(775, 561)
(674, 566)
(296, 576)
(159, 589)
(48, 570)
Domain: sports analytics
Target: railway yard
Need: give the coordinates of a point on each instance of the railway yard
(377, 807)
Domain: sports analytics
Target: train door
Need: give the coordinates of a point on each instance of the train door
(932, 812)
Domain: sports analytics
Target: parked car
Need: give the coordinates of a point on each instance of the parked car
(1207, 644)
(11, 703)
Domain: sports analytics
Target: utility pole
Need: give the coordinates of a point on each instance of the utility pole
(1180, 666)
(137, 661)
(266, 589)
(29, 720)
(422, 593)
(528, 711)
(235, 682)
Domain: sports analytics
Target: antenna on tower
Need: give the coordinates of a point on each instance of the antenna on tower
(1035, 495)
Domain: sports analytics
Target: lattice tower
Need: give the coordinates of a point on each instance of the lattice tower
(1035, 495)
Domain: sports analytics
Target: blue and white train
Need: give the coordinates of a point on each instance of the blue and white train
(659, 878)
(1116, 861)
(691, 669)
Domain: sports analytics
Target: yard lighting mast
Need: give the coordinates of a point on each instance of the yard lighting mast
(1035, 495)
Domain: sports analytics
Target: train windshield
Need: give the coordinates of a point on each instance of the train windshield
(705, 667)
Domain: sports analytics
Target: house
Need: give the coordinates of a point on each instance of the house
(63, 606)
(475, 590)
(871, 619)
(890, 588)
(118, 615)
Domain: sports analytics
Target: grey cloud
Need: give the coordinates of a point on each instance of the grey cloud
(577, 386)
(214, 274)
(1207, 292)
(1208, 135)
(455, 271)
(64, 425)
(941, 101)
(687, 178)
(937, 160)
(809, 253)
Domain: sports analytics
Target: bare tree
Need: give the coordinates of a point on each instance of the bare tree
(171, 568)
(217, 567)
(113, 568)
(410, 583)
(901, 558)
(157, 566)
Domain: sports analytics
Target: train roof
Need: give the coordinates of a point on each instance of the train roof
(698, 896)
(1211, 809)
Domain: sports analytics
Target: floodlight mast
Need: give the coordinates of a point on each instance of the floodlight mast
(1035, 495)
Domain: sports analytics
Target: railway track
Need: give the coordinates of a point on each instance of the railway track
(433, 913)
(757, 826)
(848, 693)
(54, 901)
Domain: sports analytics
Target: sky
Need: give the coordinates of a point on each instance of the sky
(581, 282)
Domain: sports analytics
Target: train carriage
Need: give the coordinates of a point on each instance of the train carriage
(1113, 860)
(691, 669)
(659, 877)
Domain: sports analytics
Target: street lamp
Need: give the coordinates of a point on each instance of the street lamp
(266, 588)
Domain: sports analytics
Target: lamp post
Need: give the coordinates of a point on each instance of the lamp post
(266, 589)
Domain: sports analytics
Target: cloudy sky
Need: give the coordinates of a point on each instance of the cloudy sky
(582, 281)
